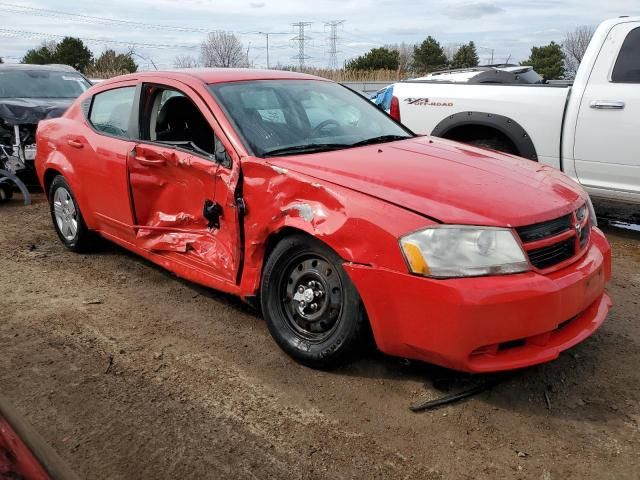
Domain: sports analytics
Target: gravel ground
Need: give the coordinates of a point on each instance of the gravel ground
(129, 372)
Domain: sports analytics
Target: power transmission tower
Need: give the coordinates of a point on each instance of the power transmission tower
(301, 38)
(333, 42)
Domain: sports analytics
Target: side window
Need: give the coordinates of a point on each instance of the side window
(627, 67)
(171, 118)
(110, 111)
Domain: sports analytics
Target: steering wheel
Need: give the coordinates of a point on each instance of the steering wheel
(324, 124)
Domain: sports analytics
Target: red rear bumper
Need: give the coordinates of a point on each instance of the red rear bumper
(487, 324)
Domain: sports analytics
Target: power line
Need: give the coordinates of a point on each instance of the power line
(44, 12)
(301, 38)
(333, 42)
(23, 33)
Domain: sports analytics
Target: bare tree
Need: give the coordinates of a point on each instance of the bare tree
(574, 46)
(185, 61)
(49, 45)
(405, 52)
(450, 50)
(222, 49)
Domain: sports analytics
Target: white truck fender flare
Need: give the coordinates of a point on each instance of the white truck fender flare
(505, 125)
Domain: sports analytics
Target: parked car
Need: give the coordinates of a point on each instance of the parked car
(587, 130)
(28, 94)
(305, 199)
(24, 455)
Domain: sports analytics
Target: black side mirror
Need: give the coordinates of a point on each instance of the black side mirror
(221, 155)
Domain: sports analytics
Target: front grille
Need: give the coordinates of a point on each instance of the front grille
(553, 254)
(538, 231)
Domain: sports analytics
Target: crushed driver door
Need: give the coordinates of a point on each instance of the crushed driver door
(174, 200)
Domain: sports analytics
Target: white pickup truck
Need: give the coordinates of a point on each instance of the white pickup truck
(590, 130)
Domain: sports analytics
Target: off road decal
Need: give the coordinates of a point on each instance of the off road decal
(425, 102)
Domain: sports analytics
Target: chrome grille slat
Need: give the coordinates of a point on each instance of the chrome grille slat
(538, 231)
(552, 255)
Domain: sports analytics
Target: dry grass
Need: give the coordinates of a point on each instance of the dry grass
(344, 75)
(341, 75)
(102, 74)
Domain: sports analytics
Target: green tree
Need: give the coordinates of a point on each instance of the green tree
(39, 56)
(110, 61)
(547, 60)
(429, 56)
(376, 59)
(72, 51)
(465, 57)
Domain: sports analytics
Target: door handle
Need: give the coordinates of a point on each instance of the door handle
(607, 105)
(154, 158)
(151, 162)
(75, 143)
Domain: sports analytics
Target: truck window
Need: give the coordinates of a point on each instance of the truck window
(627, 67)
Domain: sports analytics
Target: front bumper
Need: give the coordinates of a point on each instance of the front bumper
(487, 324)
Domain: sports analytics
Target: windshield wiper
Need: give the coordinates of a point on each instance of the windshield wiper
(380, 139)
(307, 148)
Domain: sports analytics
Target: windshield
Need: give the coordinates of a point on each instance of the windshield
(41, 84)
(283, 117)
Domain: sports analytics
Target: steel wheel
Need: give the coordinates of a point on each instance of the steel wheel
(65, 213)
(312, 296)
(312, 308)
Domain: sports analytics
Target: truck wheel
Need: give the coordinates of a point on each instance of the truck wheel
(67, 218)
(312, 308)
(494, 143)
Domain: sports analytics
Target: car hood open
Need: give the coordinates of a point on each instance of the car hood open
(447, 181)
(29, 111)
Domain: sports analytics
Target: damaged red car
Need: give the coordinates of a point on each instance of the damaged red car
(303, 198)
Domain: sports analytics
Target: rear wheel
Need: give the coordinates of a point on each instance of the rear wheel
(494, 143)
(312, 309)
(67, 218)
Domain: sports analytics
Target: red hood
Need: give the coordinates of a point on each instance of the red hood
(448, 181)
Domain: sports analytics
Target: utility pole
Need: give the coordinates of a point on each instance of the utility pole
(301, 38)
(333, 42)
(266, 36)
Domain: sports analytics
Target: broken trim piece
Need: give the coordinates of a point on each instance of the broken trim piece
(456, 397)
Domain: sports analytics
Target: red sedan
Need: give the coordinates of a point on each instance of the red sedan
(306, 200)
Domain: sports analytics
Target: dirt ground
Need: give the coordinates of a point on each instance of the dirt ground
(129, 372)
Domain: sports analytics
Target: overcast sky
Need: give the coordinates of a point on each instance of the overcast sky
(510, 27)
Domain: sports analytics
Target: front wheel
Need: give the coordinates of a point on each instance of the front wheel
(312, 308)
(67, 218)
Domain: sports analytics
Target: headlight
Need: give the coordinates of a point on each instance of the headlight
(461, 251)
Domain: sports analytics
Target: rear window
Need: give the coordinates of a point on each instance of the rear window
(627, 68)
(110, 111)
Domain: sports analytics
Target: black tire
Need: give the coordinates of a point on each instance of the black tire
(79, 240)
(333, 332)
(6, 192)
(494, 143)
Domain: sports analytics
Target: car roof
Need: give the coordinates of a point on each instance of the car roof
(220, 75)
(30, 67)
